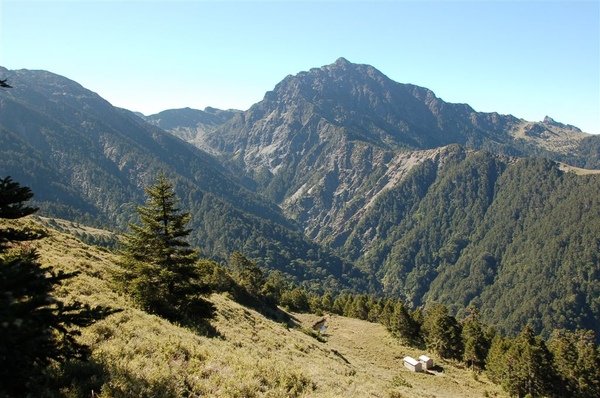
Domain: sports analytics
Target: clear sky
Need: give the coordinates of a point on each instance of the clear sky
(529, 59)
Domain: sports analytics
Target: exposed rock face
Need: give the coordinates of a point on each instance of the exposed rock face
(387, 174)
(326, 142)
(191, 124)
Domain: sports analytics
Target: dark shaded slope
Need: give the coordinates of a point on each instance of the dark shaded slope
(89, 161)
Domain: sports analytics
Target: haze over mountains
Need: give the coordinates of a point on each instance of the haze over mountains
(416, 197)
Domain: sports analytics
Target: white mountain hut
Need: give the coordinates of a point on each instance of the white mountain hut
(412, 364)
(426, 361)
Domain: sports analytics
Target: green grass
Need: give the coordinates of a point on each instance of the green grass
(135, 354)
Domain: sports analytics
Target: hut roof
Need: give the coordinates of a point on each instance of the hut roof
(411, 361)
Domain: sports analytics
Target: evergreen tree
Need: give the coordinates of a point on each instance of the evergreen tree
(577, 361)
(387, 314)
(159, 267)
(359, 308)
(12, 206)
(295, 300)
(496, 365)
(402, 324)
(246, 273)
(474, 340)
(340, 303)
(314, 304)
(529, 369)
(327, 302)
(442, 332)
(375, 311)
(36, 329)
(274, 285)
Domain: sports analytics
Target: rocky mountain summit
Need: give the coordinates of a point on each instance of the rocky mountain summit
(325, 143)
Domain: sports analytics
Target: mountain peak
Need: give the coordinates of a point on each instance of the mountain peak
(341, 61)
(548, 121)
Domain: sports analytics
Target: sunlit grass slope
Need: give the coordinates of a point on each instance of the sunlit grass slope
(146, 356)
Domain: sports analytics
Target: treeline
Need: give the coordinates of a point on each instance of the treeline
(567, 364)
(163, 275)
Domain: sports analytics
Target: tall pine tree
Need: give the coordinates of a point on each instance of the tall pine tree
(442, 332)
(577, 361)
(475, 343)
(529, 368)
(158, 266)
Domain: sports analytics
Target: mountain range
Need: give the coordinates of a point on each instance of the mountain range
(341, 178)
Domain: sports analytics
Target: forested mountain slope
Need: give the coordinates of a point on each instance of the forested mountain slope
(438, 201)
(134, 353)
(485, 230)
(89, 161)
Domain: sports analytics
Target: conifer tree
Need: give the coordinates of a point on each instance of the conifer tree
(529, 368)
(387, 314)
(36, 329)
(442, 332)
(474, 340)
(375, 311)
(246, 273)
(159, 267)
(577, 360)
(496, 365)
(359, 308)
(403, 324)
(275, 283)
(295, 300)
(340, 303)
(327, 302)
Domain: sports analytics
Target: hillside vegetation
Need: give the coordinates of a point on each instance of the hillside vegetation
(137, 354)
(473, 228)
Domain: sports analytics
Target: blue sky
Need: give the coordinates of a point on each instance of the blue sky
(529, 59)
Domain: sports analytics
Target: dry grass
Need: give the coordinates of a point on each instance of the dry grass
(577, 170)
(144, 355)
(551, 138)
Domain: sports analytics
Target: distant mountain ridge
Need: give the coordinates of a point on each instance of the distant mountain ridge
(317, 142)
(88, 161)
(190, 124)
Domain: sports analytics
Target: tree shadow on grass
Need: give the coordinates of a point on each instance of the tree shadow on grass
(264, 307)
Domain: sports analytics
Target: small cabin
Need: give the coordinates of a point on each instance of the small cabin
(426, 361)
(412, 364)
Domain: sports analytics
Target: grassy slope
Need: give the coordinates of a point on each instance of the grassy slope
(147, 356)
